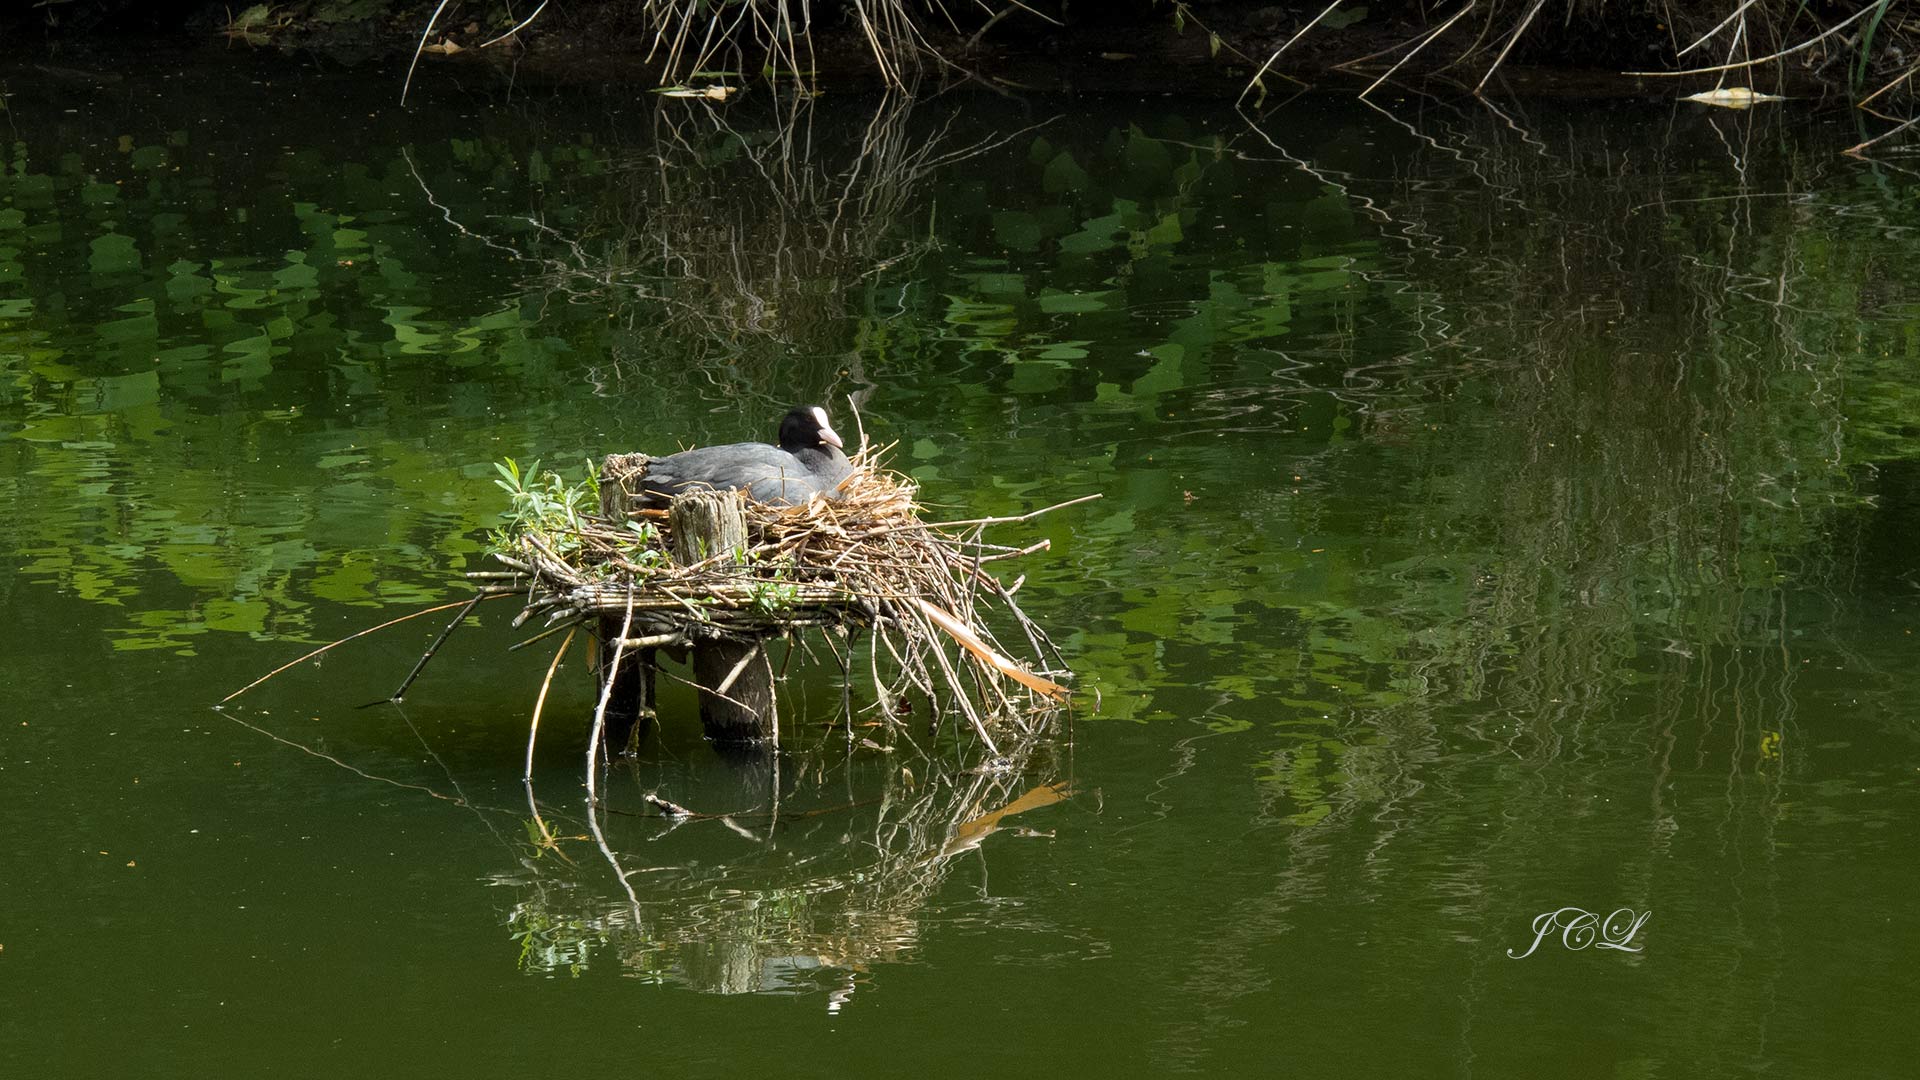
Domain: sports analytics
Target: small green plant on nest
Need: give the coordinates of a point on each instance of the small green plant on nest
(545, 503)
(774, 594)
(646, 549)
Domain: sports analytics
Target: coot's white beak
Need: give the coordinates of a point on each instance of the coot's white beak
(827, 434)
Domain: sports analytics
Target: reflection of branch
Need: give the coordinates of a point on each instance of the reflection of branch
(406, 154)
(457, 800)
(606, 852)
(1323, 176)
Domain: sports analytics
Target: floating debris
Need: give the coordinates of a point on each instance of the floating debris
(1731, 97)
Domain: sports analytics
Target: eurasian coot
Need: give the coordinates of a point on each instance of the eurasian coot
(807, 462)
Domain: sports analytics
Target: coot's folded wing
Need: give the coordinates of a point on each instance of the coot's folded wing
(807, 462)
(770, 474)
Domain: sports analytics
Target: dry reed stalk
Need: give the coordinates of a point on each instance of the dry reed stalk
(540, 703)
(1731, 66)
(1511, 42)
(1424, 42)
(1297, 35)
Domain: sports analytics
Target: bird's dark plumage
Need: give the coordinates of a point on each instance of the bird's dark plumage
(807, 462)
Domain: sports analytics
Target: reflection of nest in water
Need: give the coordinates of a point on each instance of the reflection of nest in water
(827, 876)
(846, 887)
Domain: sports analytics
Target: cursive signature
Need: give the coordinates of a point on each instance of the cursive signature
(1580, 929)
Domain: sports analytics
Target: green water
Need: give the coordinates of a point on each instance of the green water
(1504, 508)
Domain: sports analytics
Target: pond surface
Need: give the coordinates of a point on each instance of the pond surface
(1506, 507)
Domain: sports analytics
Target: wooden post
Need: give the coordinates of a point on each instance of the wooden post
(630, 708)
(735, 677)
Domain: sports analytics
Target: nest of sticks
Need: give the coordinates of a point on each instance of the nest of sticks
(925, 593)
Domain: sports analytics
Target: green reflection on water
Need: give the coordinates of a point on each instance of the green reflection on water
(1490, 524)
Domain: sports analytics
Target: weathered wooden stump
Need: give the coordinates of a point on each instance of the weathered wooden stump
(734, 676)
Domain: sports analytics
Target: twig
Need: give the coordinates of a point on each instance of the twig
(1028, 516)
(401, 692)
(541, 636)
(715, 693)
(1904, 76)
(656, 641)
(1511, 42)
(533, 729)
(1809, 43)
(342, 641)
(418, 49)
(1856, 148)
(535, 15)
(1721, 25)
(1255, 81)
(611, 673)
(669, 809)
(1042, 545)
(726, 684)
(1424, 42)
(974, 41)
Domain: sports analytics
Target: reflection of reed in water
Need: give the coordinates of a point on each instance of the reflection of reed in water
(1633, 537)
(1644, 480)
(727, 250)
(836, 875)
(1649, 479)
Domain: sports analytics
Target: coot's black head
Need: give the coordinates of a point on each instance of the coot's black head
(806, 428)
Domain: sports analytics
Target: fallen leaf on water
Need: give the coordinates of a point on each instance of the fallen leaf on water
(715, 93)
(1731, 97)
(444, 47)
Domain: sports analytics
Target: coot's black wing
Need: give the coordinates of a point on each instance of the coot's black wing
(770, 474)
